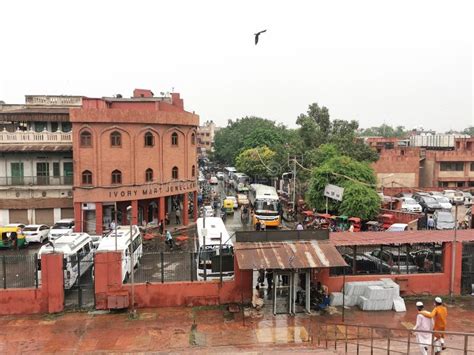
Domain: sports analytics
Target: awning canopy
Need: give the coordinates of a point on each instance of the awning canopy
(287, 255)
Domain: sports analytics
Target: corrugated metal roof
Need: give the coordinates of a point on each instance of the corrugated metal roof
(407, 237)
(287, 255)
(36, 147)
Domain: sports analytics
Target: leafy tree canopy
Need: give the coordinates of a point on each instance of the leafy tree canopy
(469, 130)
(386, 131)
(245, 133)
(256, 162)
(317, 129)
(357, 178)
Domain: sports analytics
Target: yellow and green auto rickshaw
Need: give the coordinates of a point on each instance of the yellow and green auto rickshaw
(228, 206)
(11, 237)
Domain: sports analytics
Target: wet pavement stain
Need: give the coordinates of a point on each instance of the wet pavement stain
(282, 335)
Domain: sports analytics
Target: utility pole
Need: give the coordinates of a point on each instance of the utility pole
(294, 184)
(453, 254)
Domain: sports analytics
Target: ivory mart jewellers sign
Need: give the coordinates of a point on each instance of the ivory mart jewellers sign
(334, 192)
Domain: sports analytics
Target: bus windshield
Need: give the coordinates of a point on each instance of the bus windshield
(266, 206)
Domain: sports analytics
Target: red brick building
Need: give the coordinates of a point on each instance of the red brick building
(138, 152)
(403, 165)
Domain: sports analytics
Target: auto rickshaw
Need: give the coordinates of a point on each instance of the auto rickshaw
(386, 220)
(11, 237)
(228, 206)
(308, 217)
(373, 226)
(356, 222)
(320, 221)
(341, 223)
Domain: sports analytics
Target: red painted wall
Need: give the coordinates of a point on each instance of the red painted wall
(49, 298)
(414, 284)
(171, 294)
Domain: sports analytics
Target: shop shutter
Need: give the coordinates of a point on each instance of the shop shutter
(19, 216)
(67, 213)
(44, 216)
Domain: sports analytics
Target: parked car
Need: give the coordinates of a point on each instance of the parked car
(61, 227)
(443, 220)
(396, 259)
(220, 175)
(36, 233)
(468, 198)
(428, 203)
(410, 205)
(397, 227)
(454, 196)
(213, 180)
(436, 193)
(444, 202)
(234, 199)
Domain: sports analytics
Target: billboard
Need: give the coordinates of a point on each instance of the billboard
(334, 192)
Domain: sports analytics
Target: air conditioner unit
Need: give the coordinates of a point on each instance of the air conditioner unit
(90, 206)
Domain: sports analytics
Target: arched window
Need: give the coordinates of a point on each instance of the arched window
(149, 139)
(174, 139)
(174, 173)
(193, 139)
(86, 177)
(193, 171)
(116, 177)
(115, 139)
(86, 139)
(149, 175)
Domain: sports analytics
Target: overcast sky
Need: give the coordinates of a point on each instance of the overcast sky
(401, 62)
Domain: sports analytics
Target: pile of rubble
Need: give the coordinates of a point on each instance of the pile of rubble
(381, 295)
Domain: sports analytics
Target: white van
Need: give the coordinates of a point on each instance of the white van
(121, 239)
(61, 227)
(78, 255)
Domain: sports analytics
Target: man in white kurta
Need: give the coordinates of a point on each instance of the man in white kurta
(423, 323)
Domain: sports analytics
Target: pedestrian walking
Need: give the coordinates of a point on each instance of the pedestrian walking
(178, 216)
(263, 227)
(299, 226)
(430, 223)
(426, 324)
(258, 225)
(167, 218)
(169, 239)
(112, 225)
(440, 315)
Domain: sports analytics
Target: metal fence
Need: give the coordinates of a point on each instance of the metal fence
(19, 271)
(179, 266)
(391, 259)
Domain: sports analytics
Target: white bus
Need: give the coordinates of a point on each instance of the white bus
(240, 182)
(229, 171)
(265, 205)
(210, 231)
(121, 239)
(78, 254)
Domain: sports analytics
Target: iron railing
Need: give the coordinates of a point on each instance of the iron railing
(356, 339)
(19, 271)
(35, 180)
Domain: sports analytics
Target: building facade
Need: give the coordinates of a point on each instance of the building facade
(440, 162)
(205, 138)
(36, 163)
(137, 152)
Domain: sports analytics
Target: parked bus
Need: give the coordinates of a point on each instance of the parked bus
(212, 236)
(78, 254)
(120, 240)
(265, 205)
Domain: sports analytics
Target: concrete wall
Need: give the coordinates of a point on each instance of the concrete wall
(30, 159)
(108, 283)
(49, 298)
(411, 284)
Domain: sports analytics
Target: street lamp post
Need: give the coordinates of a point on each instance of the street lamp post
(382, 180)
(132, 278)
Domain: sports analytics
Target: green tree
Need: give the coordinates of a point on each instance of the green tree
(469, 130)
(256, 162)
(245, 133)
(316, 129)
(384, 130)
(358, 180)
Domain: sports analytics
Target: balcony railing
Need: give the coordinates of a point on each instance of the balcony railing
(35, 180)
(30, 137)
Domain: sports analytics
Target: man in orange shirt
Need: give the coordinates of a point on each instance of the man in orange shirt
(439, 314)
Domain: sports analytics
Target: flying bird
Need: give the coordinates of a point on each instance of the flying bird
(257, 35)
